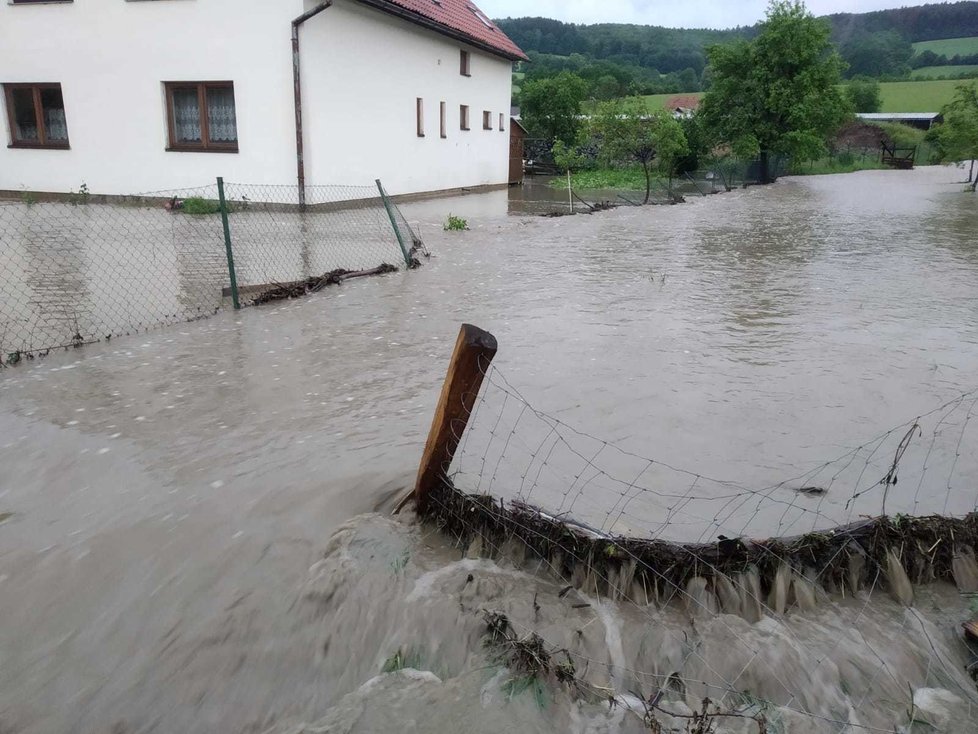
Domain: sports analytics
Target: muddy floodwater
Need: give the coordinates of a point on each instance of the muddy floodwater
(199, 539)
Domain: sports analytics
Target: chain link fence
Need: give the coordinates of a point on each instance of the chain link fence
(84, 268)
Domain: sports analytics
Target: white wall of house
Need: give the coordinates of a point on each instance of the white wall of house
(111, 58)
(362, 73)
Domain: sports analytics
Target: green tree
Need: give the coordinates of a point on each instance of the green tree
(864, 95)
(551, 108)
(776, 94)
(957, 138)
(626, 132)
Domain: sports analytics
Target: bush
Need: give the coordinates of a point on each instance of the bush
(198, 206)
(455, 224)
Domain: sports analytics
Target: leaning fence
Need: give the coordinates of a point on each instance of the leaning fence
(507, 480)
(83, 268)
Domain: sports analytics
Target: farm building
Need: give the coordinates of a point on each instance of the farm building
(921, 120)
(133, 96)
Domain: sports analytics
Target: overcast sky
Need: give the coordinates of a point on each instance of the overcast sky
(669, 13)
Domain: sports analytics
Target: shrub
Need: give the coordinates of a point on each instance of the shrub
(455, 224)
(198, 206)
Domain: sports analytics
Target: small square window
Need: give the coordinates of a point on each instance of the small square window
(201, 116)
(465, 63)
(36, 113)
(487, 120)
(463, 117)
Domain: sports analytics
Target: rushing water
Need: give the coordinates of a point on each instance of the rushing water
(169, 567)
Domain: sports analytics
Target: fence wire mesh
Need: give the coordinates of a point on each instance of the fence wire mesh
(85, 268)
(857, 535)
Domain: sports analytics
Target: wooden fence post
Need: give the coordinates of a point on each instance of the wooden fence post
(474, 351)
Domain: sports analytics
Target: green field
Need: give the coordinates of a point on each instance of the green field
(926, 96)
(932, 72)
(949, 46)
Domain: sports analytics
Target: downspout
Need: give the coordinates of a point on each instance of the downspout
(296, 80)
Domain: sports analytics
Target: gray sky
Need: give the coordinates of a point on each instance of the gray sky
(669, 13)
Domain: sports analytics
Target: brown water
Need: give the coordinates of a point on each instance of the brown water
(168, 566)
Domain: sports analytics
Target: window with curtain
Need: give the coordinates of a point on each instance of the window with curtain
(36, 113)
(201, 116)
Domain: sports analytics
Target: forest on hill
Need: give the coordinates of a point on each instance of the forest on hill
(623, 59)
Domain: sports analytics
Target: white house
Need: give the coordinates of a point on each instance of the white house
(134, 96)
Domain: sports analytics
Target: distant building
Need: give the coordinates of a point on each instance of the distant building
(139, 96)
(921, 120)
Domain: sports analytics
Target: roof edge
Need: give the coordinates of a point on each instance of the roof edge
(385, 6)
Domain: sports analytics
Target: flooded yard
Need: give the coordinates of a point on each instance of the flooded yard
(168, 563)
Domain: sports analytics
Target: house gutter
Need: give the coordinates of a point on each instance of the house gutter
(296, 80)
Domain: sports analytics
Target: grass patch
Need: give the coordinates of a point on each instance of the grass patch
(916, 96)
(197, 206)
(839, 164)
(926, 96)
(951, 72)
(631, 178)
(949, 46)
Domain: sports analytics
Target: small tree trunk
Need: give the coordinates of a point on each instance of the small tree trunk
(974, 184)
(971, 173)
(765, 167)
(648, 182)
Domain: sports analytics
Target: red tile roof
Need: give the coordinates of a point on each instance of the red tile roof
(456, 18)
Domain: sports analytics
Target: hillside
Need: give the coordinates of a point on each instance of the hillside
(875, 44)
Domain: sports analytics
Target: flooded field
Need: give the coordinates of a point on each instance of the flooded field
(170, 562)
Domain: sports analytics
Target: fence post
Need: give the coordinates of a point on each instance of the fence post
(397, 230)
(227, 243)
(474, 351)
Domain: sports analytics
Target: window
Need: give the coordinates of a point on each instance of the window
(37, 116)
(464, 66)
(487, 120)
(463, 117)
(444, 121)
(420, 115)
(201, 116)
(502, 121)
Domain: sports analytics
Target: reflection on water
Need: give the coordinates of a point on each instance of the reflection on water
(172, 491)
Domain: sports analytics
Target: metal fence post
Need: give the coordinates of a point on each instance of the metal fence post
(227, 243)
(397, 230)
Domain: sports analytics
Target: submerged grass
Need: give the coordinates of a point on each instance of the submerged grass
(630, 178)
(403, 659)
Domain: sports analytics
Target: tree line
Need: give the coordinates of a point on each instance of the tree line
(872, 44)
(775, 96)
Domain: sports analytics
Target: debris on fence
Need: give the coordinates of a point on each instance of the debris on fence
(532, 663)
(841, 560)
(740, 576)
(300, 288)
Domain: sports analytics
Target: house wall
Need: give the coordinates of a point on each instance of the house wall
(111, 57)
(362, 74)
